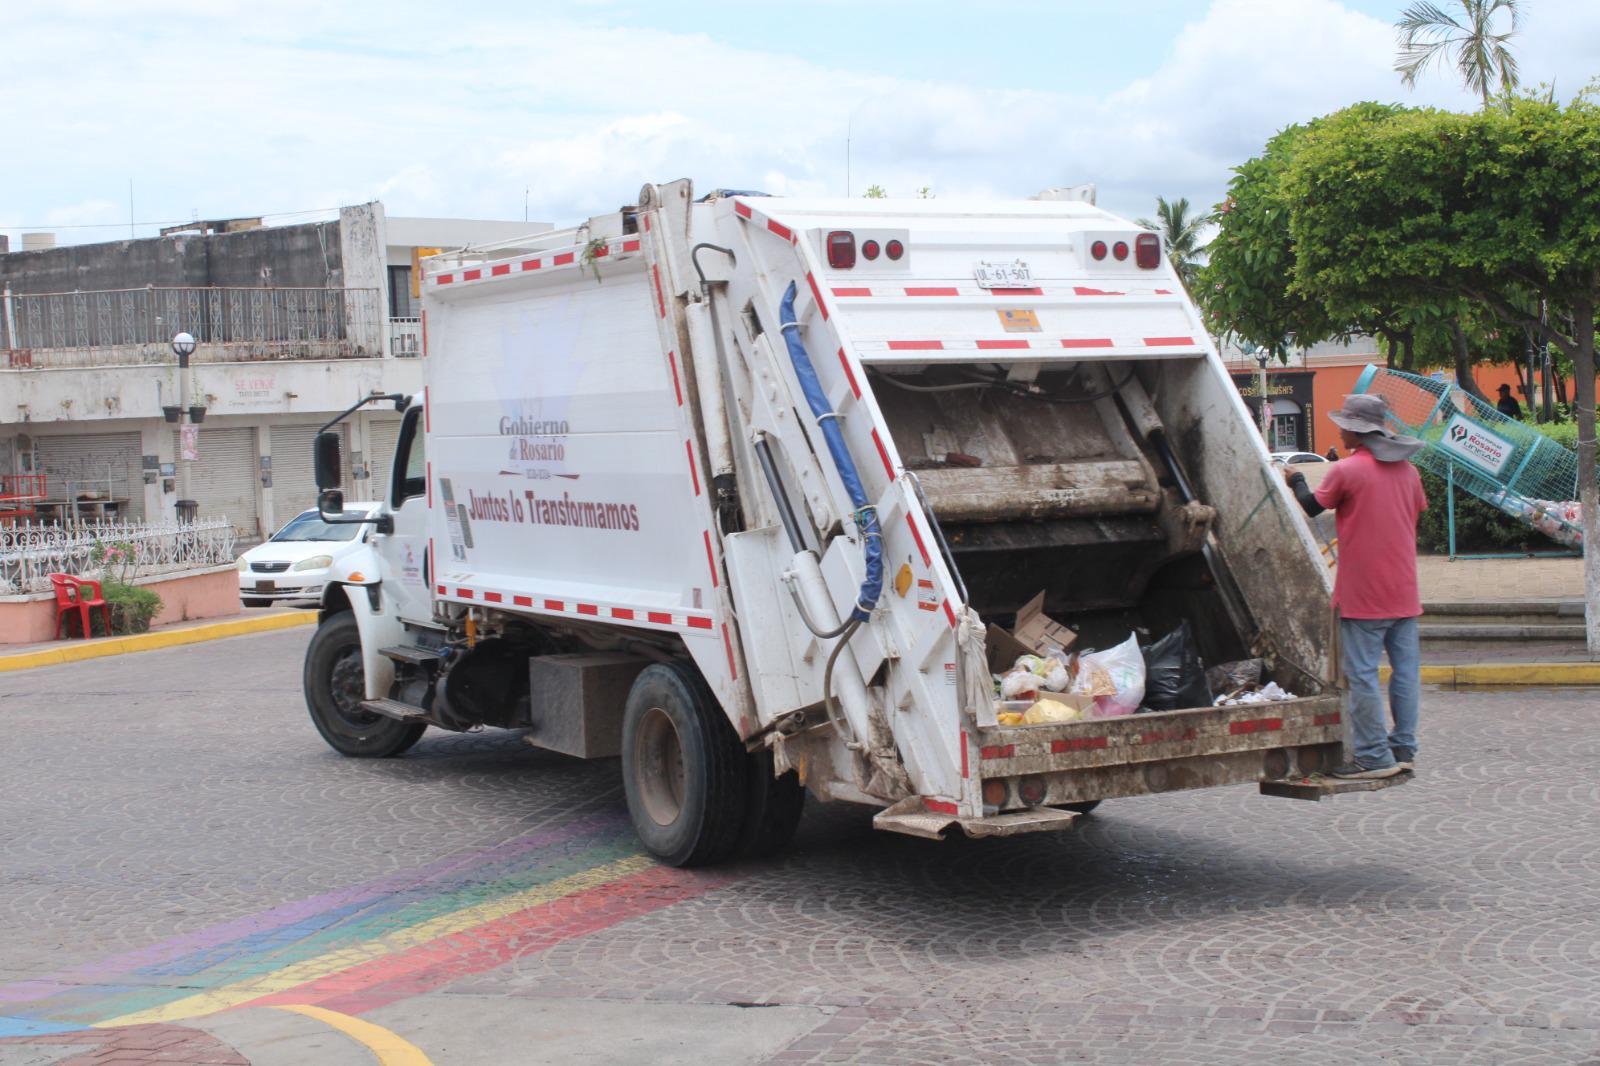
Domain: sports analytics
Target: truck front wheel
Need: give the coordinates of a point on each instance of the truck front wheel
(335, 685)
(683, 768)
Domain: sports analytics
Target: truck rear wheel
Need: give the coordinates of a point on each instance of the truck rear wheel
(683, 768)
(335, 685)
(772, 812)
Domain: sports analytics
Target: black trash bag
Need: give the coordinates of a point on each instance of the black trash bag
(1174, 676)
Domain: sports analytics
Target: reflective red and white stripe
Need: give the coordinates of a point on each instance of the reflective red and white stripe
(1070, 293)
(553, 260)
(1024, 343)
(576, 608)
(751, 215)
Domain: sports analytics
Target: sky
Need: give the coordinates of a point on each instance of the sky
(289, 108)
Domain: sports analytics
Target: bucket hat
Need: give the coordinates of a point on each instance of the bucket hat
(1367, 415)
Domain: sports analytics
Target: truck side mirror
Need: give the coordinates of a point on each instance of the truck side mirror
(325, 456)
(330, 503)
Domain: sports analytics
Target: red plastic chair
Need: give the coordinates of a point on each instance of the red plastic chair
(70, 596)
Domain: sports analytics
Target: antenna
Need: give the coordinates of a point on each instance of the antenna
(130, 208)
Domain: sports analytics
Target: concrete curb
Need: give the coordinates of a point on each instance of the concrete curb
(168, 638)
(1465, 675)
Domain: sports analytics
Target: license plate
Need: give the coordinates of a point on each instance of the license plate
(265, 586)
(1015, 275)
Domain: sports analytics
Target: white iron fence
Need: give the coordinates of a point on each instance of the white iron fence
(30, 553)
(230, 324)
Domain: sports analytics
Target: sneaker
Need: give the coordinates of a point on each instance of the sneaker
(1405, 758)
(1354, 771)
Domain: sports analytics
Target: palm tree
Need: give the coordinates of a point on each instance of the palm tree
(1428, 34)
(1180, 235)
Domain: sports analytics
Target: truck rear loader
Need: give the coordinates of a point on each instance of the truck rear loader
(746, 490)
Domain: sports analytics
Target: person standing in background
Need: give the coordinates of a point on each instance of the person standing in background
(1376, 496)
(1507, 404)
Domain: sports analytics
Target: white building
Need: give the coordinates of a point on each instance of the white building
(294, 323)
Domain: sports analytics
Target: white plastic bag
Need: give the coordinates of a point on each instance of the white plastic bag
(1122, 670)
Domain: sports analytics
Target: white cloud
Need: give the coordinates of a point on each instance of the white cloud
(443, 111)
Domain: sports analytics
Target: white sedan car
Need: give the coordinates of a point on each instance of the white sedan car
(292, 567)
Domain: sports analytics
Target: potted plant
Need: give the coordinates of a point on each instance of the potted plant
(197, 414)
(171, 413)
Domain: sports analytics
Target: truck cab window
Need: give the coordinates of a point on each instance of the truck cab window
(410, 462)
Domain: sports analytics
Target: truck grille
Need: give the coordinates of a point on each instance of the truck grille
(269, 568)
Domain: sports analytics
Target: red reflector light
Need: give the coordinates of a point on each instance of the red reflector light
(1120, 250)
(1147, 251)
(994, 792)
(1098, 249)
(1031, 790)
(894, 249)
(841, 249)
(869, 249)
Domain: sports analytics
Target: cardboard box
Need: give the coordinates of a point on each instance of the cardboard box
(1035, 634)
(1038, 630)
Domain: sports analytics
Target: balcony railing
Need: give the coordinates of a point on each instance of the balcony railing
(136, 326)
(405, 337)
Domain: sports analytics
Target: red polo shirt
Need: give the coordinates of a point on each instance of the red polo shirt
(1375, 509)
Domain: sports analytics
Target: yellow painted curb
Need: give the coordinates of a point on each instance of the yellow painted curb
(167, 638)
(1579, 673)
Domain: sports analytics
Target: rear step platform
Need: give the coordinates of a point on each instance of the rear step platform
(400, 712)
(413, 654)
(912, 817)
(1316, 787)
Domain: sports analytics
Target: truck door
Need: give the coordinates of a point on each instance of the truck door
(407, 567)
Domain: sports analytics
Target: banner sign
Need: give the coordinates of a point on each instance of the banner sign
(1475, 444)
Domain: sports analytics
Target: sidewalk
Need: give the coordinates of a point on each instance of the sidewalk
(1466, 580)
(26, 656)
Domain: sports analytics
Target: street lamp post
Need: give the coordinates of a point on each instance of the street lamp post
(183, 346)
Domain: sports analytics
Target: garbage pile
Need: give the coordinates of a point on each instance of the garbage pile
(1047, 684)
(1560, 520)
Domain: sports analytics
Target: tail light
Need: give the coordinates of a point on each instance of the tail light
(1120, 250)
(994, 792)
(1147, 251)
(1098, 249)
(1032, 789)
(869, 249)
(841, 249)
(894, 249)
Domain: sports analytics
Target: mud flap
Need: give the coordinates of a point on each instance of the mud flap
(1308, 788)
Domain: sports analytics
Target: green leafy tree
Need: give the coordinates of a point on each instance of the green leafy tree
(874, 192)
(1494, 209)
(1430, 34)
(1181, 236)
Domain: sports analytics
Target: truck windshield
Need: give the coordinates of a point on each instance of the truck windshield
(310, 526)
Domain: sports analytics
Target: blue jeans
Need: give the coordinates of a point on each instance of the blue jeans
(1365, 640)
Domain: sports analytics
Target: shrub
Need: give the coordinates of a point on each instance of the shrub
(1479, 527)
(132, 607)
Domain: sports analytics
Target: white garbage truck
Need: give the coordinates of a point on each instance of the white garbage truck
(760, 494)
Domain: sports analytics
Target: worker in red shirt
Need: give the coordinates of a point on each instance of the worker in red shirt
(1376, 496)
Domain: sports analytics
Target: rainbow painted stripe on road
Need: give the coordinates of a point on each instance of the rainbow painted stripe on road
(358, 948)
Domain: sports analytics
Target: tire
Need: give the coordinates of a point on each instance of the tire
(772, 809)
(334, 691)
(683, 768)
(255, 601)
(1081, 808)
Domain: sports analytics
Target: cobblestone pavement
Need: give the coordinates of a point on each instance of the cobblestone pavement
(178, 842)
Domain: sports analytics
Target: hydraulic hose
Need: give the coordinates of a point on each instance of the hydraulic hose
(866, 516)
